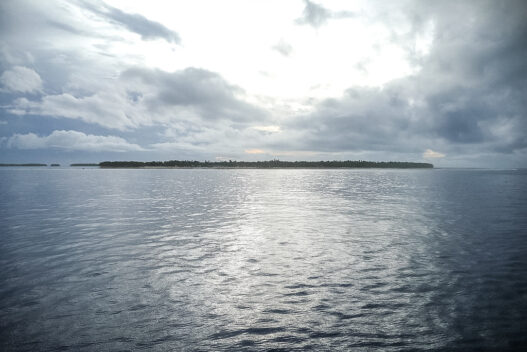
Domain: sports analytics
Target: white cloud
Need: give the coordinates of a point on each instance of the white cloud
(283, 48)
(142, 97)
(21, 79)
(430, 154)
(71, 140)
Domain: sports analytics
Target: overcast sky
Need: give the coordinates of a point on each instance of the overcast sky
(437, 81)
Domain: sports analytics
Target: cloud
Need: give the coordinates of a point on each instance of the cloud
(147, 29)
(283, 48)
(316, 15)
(474, 85)
(105, 109)
(21, 79)
(70, 141)
(194, 92)
(362, 119)
(430, 154)
(147, 97)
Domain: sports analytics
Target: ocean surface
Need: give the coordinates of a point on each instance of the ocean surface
(253, 260)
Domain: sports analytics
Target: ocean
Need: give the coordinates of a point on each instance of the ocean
(258, 260)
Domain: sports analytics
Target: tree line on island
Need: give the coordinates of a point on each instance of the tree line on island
(270, 164)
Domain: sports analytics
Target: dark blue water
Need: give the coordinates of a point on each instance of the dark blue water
(208, 260)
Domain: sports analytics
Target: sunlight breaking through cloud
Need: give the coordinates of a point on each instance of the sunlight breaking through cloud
(430, 154)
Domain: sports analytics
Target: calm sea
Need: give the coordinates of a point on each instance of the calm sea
(217, 260)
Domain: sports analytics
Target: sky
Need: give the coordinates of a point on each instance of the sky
(433, 81)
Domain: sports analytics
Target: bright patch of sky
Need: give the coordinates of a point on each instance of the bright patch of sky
(236, 38)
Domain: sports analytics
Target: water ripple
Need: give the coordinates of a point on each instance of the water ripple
(288, 260)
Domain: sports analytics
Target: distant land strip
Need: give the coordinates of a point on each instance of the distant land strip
(271, 164)
(30, 164)
(84, 164)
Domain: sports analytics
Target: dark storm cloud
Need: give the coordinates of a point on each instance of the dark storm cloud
(199, 90)
(316, 15)
(479, 59)
(136, 23)
(363, 119)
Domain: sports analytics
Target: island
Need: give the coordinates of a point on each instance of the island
(55, 165)
(270, 164)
